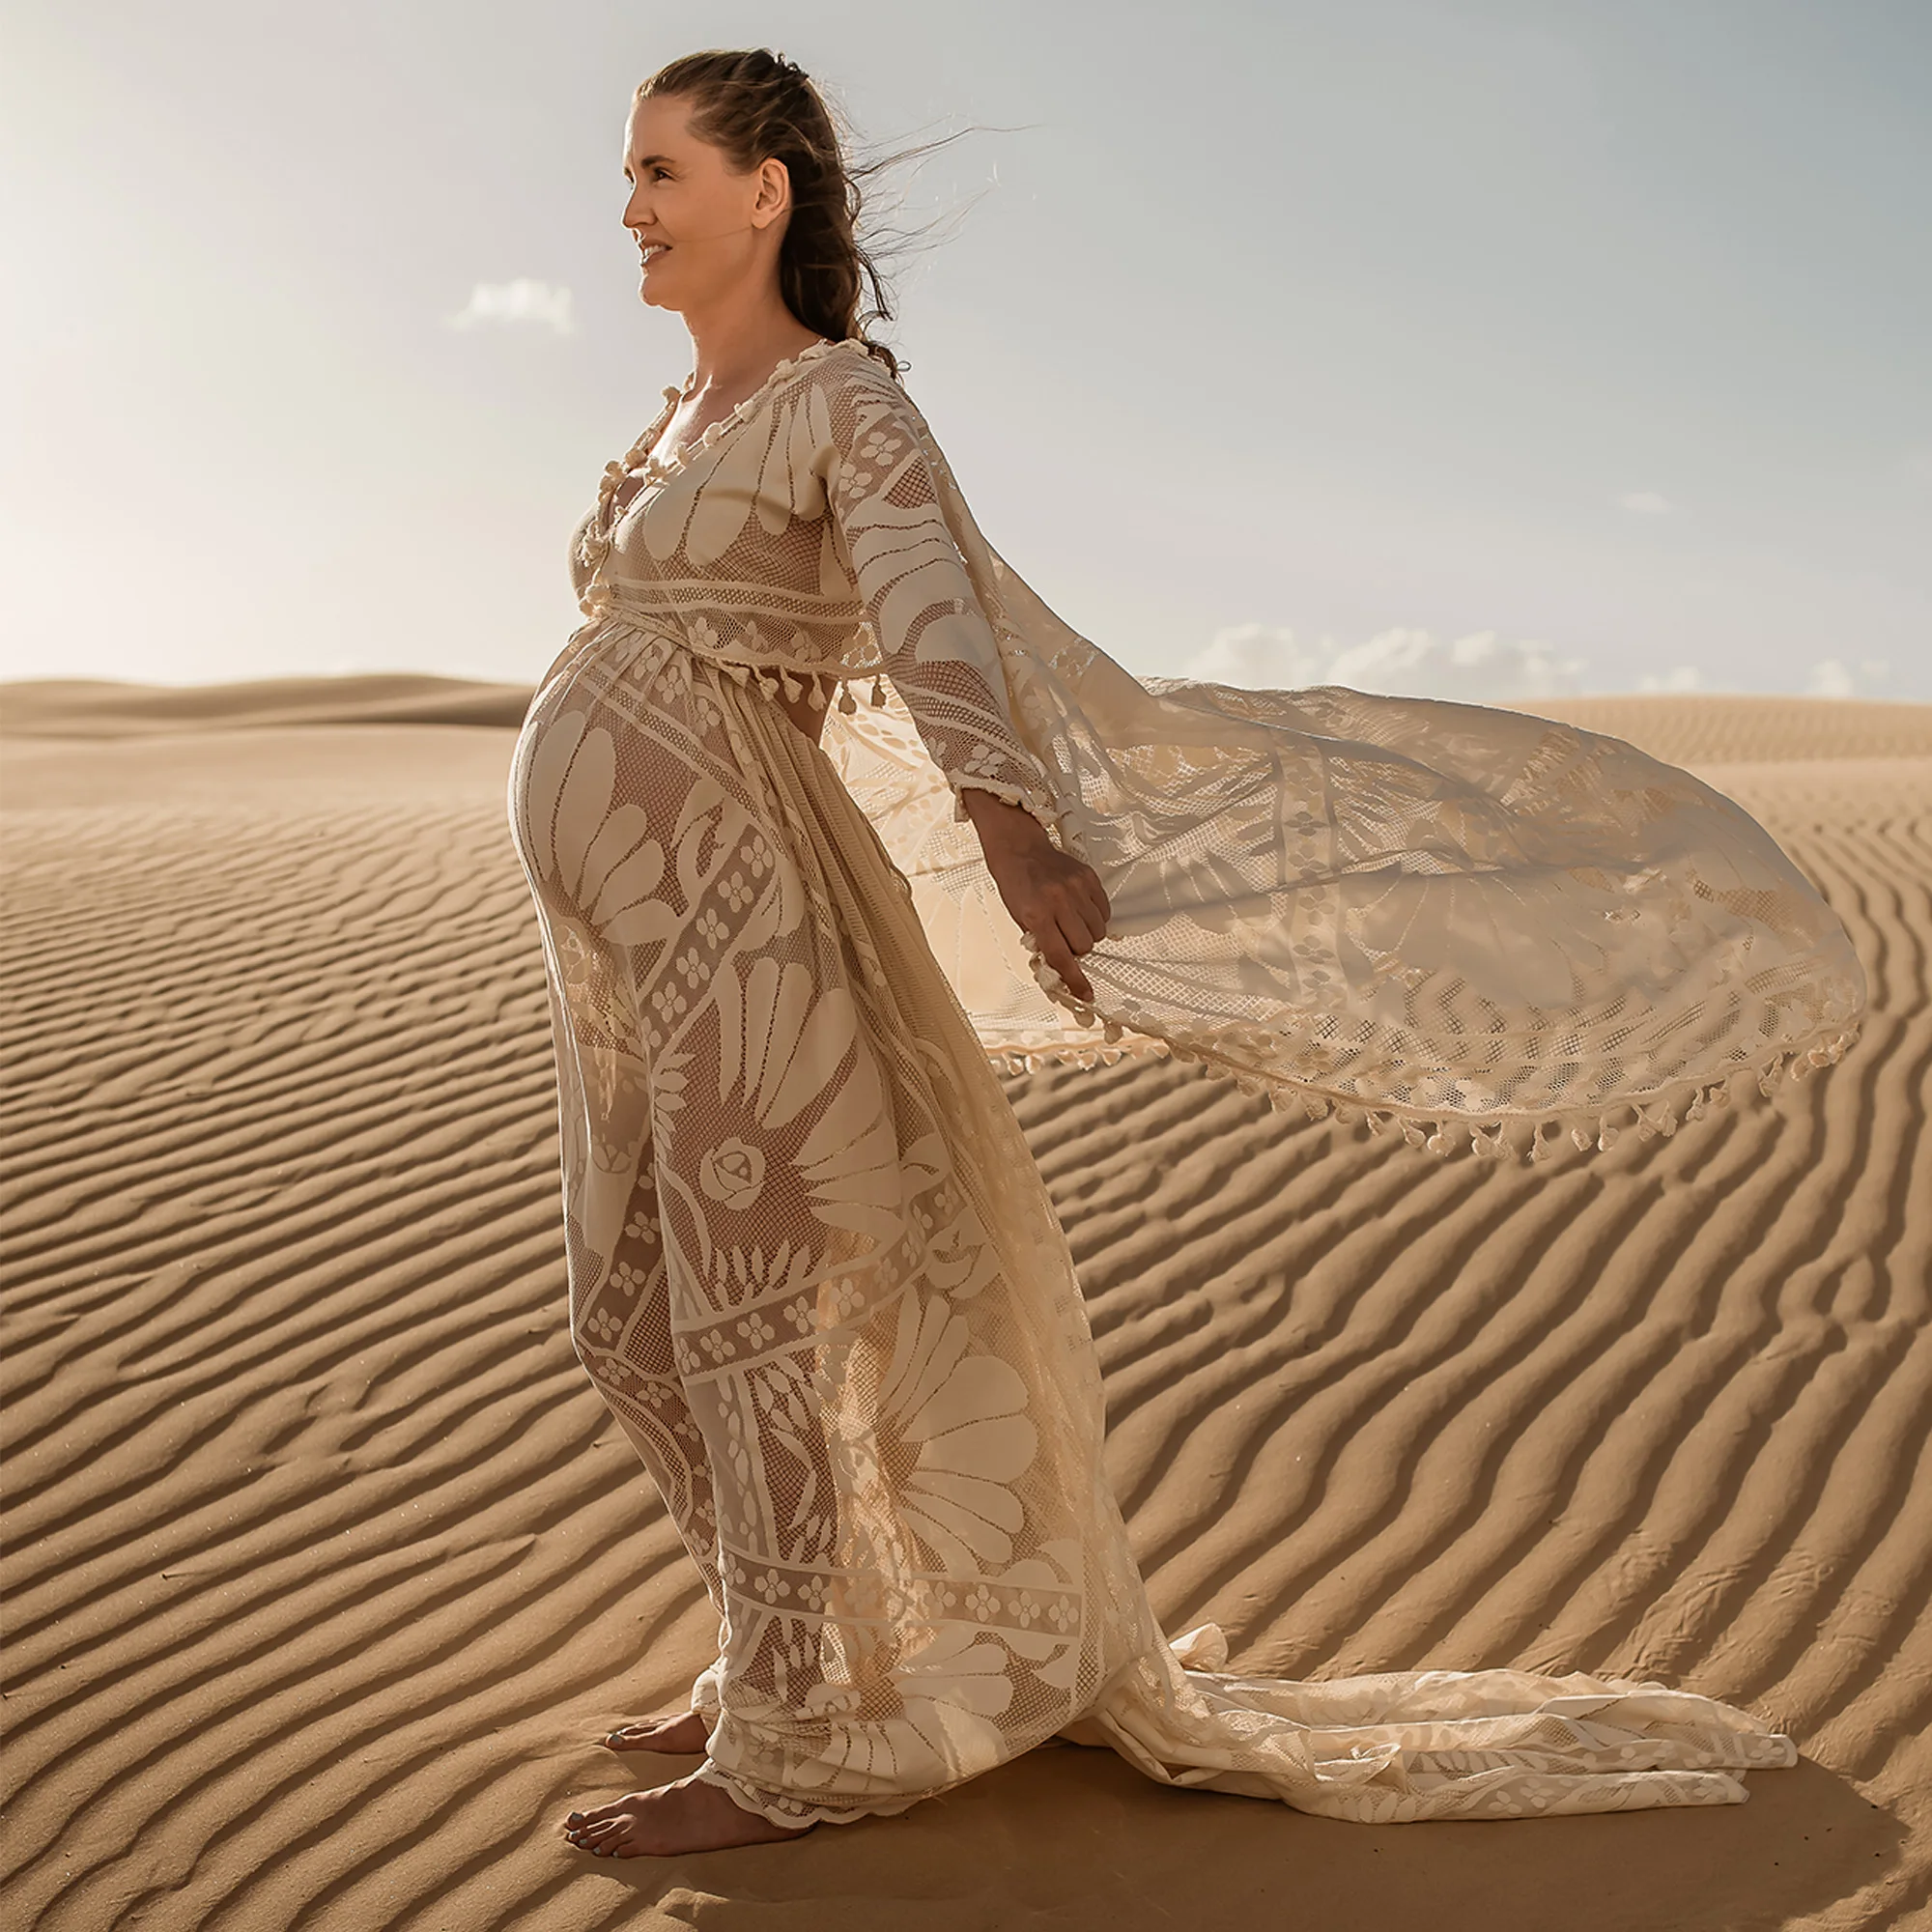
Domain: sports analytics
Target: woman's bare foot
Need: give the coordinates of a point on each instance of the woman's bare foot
(688, 1816)
(685, 1733)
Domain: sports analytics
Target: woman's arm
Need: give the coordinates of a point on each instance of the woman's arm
(1057, 899)
(942, 657)
(918, 599)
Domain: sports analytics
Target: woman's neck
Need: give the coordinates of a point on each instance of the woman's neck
(733, 353)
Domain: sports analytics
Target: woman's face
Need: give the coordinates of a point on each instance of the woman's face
(701, 230)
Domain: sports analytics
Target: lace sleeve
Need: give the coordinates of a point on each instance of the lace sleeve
(921, 606)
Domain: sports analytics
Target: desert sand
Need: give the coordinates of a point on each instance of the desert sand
(326, 1568)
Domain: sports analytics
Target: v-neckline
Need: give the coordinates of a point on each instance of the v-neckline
(657, 468)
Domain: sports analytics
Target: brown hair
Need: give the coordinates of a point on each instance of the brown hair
(756, 104)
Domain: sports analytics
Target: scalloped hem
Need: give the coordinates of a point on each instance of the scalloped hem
(791, 1812)
(1518, 1136)
(1202, 1649)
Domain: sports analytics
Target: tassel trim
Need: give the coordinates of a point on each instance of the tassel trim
(1511, 1137)
(605, 614)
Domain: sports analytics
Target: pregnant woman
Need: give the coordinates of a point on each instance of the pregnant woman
(822, 810)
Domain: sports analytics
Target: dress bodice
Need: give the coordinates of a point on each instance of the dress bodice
(804, 535)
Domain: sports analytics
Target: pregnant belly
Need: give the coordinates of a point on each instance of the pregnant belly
(594, 642)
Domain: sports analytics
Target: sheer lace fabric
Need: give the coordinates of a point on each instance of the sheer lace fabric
(813, 1270)
(1455, 920)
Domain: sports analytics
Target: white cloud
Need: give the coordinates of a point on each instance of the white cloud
(521, 301)
(1477, 669)
(1833, 677)
(1679, 677)
(1645, 503)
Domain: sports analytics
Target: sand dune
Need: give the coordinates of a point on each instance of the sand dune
(326, 1566)
(86, 707)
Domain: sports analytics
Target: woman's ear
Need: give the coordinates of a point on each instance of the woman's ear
(774, 195)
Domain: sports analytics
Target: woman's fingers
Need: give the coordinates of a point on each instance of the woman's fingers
(1058, 954)
(1081, 922)
(1076, 923)
(1063, 939)
(1058, 899)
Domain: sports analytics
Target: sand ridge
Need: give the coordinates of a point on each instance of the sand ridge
(325, 1567)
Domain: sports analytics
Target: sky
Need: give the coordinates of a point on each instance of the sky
(1454, 347)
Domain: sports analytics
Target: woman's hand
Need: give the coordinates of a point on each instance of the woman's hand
(1056, 898)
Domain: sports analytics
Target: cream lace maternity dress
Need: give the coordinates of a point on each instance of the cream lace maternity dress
(813, 1270)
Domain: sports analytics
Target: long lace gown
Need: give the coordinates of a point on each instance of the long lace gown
(812, 1267)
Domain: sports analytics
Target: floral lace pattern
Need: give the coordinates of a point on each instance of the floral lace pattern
(814, 1271)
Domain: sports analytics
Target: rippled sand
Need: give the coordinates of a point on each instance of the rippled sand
(325, 1567)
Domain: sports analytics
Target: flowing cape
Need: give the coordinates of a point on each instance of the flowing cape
(1439, 916)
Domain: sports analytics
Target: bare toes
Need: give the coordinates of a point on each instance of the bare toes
(684, 1733)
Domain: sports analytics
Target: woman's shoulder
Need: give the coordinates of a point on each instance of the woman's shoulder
(848, 365)
(856, 382)
(853, 358)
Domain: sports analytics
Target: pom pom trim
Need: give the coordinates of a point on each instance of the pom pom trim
(1517, 1138)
